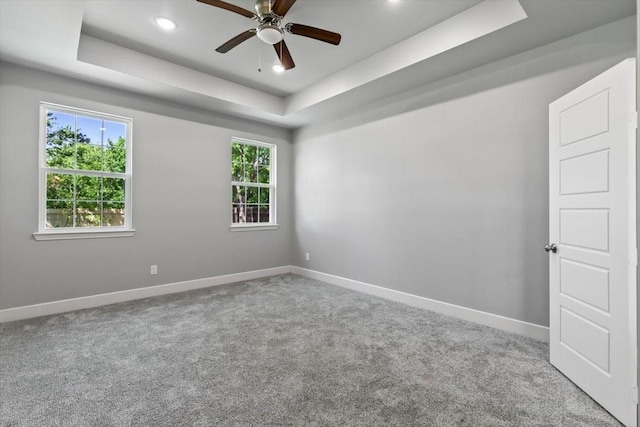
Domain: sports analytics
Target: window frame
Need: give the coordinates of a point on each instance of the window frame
(63, 233)
(257, 226)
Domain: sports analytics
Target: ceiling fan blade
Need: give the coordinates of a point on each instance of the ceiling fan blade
(226, 47)
(285, 56)
(314, 33)
(281, 7)
(230, 7)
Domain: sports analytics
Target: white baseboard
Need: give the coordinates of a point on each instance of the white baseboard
(495, 321)
(500, 322)
(63, 306)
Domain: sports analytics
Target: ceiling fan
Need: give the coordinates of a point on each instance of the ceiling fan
(269, 15)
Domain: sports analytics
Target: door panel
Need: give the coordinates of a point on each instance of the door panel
(592, 219)
(588, 173)
(585, 228)
(585, 119)
(586, 283)
(585, 338)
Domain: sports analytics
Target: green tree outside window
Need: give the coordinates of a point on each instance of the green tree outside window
(78, 194)
(252, 187)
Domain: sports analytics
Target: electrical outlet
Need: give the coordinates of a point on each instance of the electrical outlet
(306, 256)
(154, 269)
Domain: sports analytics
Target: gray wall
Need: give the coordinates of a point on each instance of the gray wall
(443, 192)
(181, 166)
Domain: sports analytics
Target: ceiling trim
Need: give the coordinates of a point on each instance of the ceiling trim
(473, 23)
(118, 58)
(53, 36)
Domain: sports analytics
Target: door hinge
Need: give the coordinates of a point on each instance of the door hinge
(634, 395)
(634, 119)
(633, 258)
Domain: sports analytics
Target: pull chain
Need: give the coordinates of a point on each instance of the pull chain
(259, 60)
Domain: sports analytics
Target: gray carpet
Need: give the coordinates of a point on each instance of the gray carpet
(281, 351)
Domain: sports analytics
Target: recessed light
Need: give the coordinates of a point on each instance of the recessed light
(278, 68)
(165, 23)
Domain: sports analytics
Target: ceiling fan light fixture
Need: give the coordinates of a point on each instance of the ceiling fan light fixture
(270, 34)
(278, 68)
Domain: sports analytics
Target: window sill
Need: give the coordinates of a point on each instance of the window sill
(252, 227)
(89, 234)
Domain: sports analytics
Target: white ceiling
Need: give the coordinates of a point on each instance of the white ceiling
(386, 48)
(365, 25)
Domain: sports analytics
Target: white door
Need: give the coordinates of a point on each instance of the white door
(593, 239)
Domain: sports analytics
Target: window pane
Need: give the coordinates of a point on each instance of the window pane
(237, 171)
(59, 186)
(88, 214)
(250, 154)
(89, 130)
(263, 175)
(264, 213)
(250, 163)
(61, 154)
(238, 194)
(252, 213)
(264, 196)
(113, 131)
(88, 187)
(114, 155)
(59, 213)
(113, 189)
(60, 126)
(249, 173)
(113, 214)
(88, 157)
(252, 195)
(237, 215)
(60, 140)
(264, 155)
(237, 150)
(237, 161)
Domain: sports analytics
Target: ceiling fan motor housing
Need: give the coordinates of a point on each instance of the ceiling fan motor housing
(264, 11)
(269, 30)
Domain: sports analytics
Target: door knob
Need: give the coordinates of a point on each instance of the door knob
(551, 248)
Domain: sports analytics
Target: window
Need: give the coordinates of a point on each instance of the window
(253, 189)
(85, 174)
